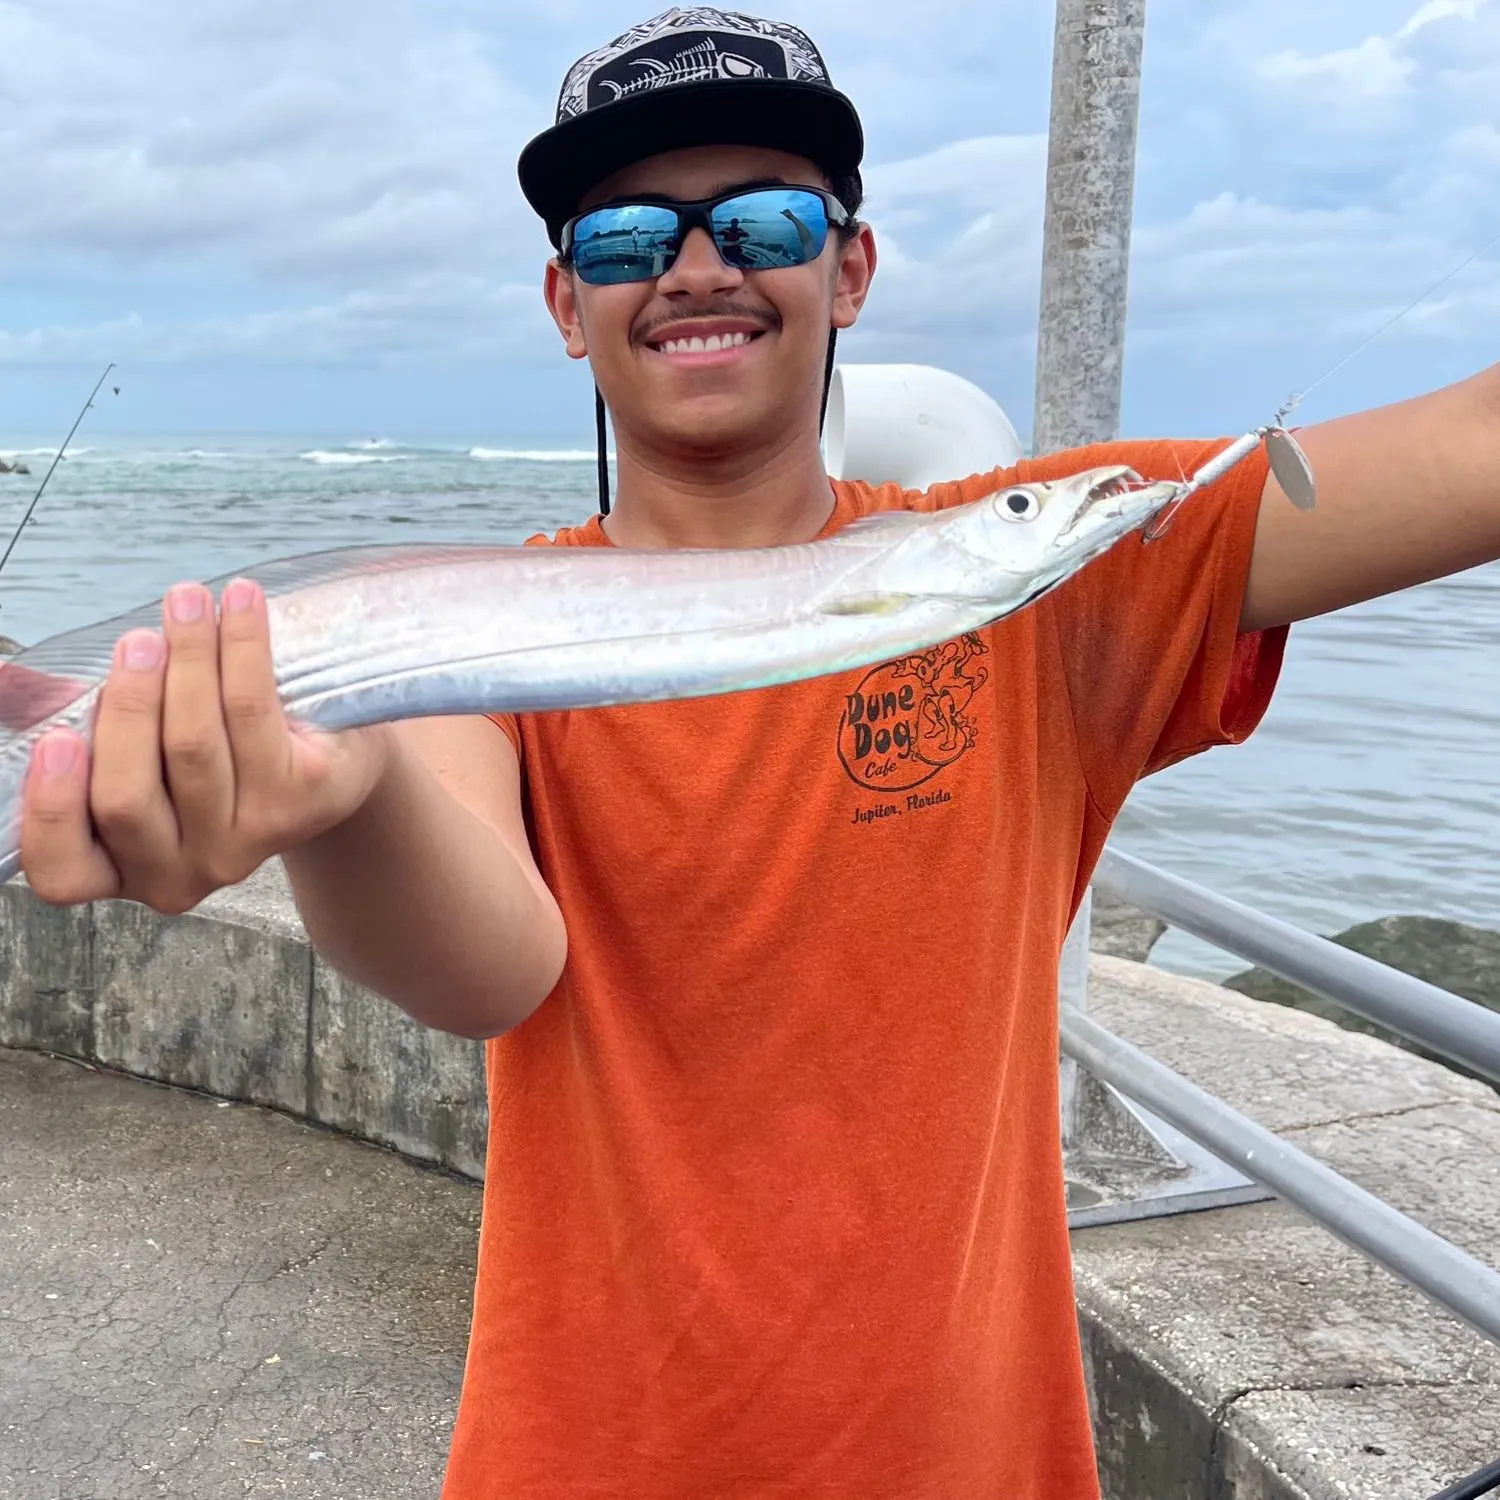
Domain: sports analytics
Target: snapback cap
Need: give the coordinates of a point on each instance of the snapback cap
(693, 76)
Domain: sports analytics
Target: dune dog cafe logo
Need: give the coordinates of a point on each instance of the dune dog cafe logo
(911, 718)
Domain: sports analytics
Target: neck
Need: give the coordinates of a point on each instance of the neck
(763, 497)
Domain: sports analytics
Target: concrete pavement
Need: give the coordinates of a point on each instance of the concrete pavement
(207, 1300)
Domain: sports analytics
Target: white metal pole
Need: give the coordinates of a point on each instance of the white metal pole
(1096, 90)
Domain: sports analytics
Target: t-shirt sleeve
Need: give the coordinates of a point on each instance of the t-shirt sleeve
(511, 727)
(1149, 646)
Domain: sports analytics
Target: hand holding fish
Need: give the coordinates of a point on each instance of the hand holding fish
(194, 777)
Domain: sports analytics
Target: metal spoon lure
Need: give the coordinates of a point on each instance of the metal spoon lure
(1289, 464)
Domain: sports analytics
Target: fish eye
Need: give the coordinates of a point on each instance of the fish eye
(1020, 505)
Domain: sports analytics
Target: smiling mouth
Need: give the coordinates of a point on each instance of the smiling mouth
(714, 343)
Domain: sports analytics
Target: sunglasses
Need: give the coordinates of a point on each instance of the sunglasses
(754, 229)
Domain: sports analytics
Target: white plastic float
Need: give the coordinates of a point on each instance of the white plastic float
(914, 424)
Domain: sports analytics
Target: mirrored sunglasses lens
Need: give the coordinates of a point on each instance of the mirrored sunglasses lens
(773, 227)
(631, 243)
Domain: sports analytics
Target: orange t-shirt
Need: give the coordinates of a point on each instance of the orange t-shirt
(774, 1197)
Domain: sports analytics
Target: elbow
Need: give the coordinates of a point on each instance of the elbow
(501, 1009)
(493, 1030)
(482, 1017)
(492, 1022)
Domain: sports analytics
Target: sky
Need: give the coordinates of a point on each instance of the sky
(284, 217)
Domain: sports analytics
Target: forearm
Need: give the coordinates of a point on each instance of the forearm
(419, 899)
(1406, 493)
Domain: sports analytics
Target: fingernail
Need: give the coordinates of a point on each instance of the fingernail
(59, 753)
(185, 603)
(141, 650)
(239, 596)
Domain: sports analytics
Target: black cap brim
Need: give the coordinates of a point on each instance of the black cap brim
(805, 119)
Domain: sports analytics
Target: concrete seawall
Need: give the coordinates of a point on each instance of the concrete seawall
(231, 999)
(1245, 1353)
(1240, 1354)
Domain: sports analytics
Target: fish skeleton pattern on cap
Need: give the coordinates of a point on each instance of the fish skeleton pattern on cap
(800, 58)
(700, 64)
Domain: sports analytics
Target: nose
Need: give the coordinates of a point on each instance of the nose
(699, 269)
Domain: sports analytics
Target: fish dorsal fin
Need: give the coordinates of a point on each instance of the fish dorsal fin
(313, 568)
(82, 657)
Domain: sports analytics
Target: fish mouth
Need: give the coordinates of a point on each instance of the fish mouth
(1119, 500)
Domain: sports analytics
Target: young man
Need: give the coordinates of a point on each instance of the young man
(774, 1201)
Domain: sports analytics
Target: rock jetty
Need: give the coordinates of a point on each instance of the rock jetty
(1451, 955)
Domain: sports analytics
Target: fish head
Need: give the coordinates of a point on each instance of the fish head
(1047, 531)
(996, 554)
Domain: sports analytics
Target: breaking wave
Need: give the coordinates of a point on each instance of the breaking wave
(322, 456)
(533, 455)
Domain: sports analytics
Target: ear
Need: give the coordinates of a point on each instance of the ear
(561, 291)
(853, 273)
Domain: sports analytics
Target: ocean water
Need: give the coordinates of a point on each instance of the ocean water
(1372, 788)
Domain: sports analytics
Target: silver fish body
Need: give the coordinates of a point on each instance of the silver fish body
(373, 634)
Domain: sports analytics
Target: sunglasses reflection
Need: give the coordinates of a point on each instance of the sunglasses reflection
(759, 247)
(632, 242)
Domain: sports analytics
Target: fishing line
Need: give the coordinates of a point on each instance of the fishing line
(1288, 462)
(57, 460)
(1385, 327)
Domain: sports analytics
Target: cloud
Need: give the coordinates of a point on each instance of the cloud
(965, 218)
(457, 317)
(1378, 67)
(354, 140)
(1371, 70)
(1237, 271)
(335, 164)
(1441, 10)
(248, 184)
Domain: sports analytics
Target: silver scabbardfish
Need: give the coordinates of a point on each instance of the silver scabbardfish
(372, 634)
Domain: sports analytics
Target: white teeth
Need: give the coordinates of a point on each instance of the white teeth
(713, 344)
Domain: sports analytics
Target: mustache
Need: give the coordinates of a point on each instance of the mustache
(764, 317)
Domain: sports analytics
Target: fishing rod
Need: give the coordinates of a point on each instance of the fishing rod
(5, 558)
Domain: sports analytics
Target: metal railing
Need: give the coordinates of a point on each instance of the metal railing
(1457, 1028)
